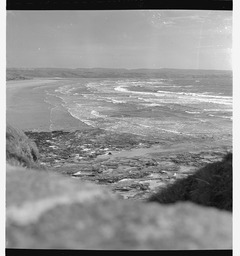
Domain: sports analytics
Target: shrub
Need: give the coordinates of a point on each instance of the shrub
(209, 186)
(20, 150)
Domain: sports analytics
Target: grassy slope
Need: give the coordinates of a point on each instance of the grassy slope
(20, 150)
(209, 186)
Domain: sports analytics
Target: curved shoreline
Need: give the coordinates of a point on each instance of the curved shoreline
(27, 109)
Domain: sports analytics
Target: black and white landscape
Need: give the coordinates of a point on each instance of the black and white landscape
(137, 105)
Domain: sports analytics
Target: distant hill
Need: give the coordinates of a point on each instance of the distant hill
(29, 73)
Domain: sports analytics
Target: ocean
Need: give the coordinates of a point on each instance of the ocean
(179, 106)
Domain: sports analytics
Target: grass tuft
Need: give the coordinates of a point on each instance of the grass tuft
(209, 186)
(20, 150)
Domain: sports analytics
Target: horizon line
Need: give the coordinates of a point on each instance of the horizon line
(117, 68)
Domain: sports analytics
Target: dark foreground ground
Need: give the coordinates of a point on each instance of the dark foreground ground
(130, 165)
(54, 207)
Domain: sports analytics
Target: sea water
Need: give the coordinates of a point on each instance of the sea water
(148, 106)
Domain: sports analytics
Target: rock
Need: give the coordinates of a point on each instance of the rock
(88, 143)
(96, 167)
(74, 153)
(107, 171)
(49, 211)
(81, 173)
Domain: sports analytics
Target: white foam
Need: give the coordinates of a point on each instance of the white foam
(172, 131)
(87, 107)
(146, 126)
(97, 114)
(225, 117)
(226, 100)
(192, 112)
(120, 89)
(153, 104)
(66, 89)
(88, 122)
(217, 110)
(175, 86)
(197, 94)
(118, 101)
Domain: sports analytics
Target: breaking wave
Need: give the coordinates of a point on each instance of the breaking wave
(144, 106)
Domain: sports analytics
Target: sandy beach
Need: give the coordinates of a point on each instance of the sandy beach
(132, 147)
(27, 110)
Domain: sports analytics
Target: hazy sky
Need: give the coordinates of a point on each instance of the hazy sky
(120, 39)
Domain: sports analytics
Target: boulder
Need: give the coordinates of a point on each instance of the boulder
(50, 211)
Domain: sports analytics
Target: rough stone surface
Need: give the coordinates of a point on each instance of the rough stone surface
(46, 210)
(136, 167)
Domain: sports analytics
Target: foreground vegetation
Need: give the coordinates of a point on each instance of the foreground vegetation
(209, 186)
(20, 150)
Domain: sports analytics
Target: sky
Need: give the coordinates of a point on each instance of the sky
(188, 39)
